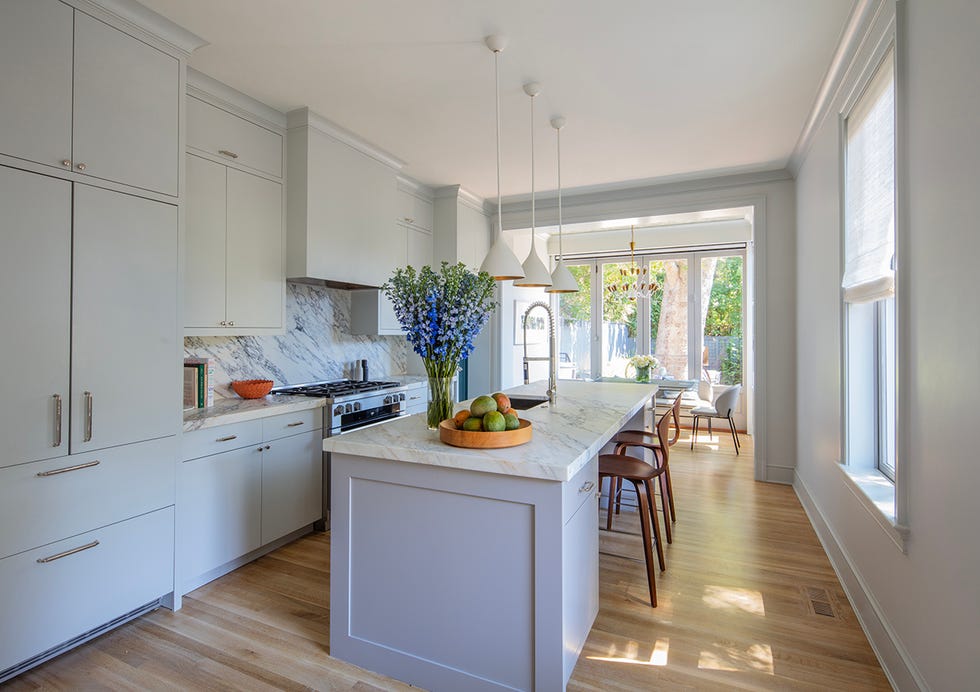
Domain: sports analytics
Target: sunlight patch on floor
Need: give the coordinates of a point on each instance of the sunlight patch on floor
(757, 658)
(658, 656)
(727, 598)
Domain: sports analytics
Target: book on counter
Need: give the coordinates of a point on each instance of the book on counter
(198, 382)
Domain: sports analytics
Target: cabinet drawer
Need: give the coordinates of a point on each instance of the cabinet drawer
(220, 438)
(291, 423)
(582, 486)
(83, 492)
(128, 565)
(219, 133)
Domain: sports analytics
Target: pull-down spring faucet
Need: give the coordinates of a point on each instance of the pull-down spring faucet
(551, 358)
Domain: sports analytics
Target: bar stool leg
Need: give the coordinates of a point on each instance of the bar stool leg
(609, 502)
(651, 501)
(647, 550)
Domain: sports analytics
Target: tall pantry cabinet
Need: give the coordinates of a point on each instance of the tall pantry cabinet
(89, 199)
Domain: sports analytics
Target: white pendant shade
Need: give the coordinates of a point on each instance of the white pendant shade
(501, 263)
(562, 280)
(535, 273)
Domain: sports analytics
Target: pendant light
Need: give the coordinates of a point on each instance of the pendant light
(562, 280)
(500, 262)
(535, 273)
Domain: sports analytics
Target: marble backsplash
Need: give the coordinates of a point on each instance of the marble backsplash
(317, 345)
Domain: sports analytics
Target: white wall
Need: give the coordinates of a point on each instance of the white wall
(920, 608)
(773, 196)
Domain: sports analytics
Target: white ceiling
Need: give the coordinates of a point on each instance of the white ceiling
(651, 89)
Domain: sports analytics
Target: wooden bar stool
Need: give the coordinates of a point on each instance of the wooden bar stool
(641, 474)
(659, 444)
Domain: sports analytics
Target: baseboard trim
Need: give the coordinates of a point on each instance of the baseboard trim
(780, 474)
(892, 654)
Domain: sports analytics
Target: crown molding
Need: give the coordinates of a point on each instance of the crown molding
(861, 19)
(304, 117)
(138, 19)
(414, 187)
(225, 97)
(464, 197)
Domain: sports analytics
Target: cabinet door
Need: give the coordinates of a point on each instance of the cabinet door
(291, 484)
(35, 80)
(124, 320)
(35, 303)
(126, 98)
(218, 132)
(204, 256)
(255, 283)
(418, 248)
(220, 516)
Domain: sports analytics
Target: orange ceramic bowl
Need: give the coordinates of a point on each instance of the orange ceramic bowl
(251, 389)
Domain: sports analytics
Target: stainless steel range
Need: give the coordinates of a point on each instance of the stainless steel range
(351, 405)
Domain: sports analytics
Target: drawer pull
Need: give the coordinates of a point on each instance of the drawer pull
(229, 154)
(79, 549)
(55, 472)
(228, 438)
(293, 425)
(413, 398)
(587, 487)
(89, 405)
(57, 420)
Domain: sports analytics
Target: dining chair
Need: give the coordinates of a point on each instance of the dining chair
(723, 407)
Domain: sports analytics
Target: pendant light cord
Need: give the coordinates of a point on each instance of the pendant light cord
(496, 79)
(561, 252)
(532, 173)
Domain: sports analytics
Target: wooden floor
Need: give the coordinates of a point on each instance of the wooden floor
(740, 608)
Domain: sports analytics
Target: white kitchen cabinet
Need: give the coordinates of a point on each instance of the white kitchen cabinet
(216, 132)
(61, 75)
(131, 140)
(414, 209)
(233, 276)
(56, 592)
(418, 247)
(292, 484)
(36, 80)
(220, 509)
(341, 203)
(243, 486)
(36, 252)
(372, 313)
(124, 304)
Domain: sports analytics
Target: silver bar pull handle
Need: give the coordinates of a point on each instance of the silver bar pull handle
(52, 558)
(293, 425)
(587, 487)
(89, 405)
(227, 438)
(229, 154)
(55, 472)
(57, 420)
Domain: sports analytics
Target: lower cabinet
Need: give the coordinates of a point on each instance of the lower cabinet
(265, 484)
(62, 590)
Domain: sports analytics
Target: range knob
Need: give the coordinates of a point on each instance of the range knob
(401, 397)
(357, 405)
(347, 408)
(338, 411)
(388, 399)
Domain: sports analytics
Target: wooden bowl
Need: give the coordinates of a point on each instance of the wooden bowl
(251, 389)
(451, 435)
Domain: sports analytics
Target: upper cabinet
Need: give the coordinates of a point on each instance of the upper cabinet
(415, 207)
(234, 281)
(341, 203)
(61, 74)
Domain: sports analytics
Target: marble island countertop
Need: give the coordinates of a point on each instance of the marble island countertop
(237, 410)
(566, 436)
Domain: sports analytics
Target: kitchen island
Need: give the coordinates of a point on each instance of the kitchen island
(472, 569)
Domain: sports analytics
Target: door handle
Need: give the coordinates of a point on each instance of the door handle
(89, 405)
(57, 420)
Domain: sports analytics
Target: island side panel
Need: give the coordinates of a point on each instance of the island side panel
(450, 579)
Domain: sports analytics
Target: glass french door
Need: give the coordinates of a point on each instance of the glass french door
(575, 310)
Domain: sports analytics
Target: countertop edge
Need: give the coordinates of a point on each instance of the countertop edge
(226, 411)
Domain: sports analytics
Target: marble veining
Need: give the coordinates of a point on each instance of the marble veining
(237, 410)
(565, 439)
(316, 346)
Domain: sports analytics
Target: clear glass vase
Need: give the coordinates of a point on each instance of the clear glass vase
(642, 373)
(440, 401)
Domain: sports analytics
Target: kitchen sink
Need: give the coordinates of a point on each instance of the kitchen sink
(523, 403)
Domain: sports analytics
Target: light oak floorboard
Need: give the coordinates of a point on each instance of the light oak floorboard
(733, 611)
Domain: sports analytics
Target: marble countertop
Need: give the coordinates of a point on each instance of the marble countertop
(236, 410)
(566, 436)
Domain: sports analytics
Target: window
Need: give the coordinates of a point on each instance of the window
(868, 283)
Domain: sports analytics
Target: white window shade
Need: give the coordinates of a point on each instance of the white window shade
(869, 191)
